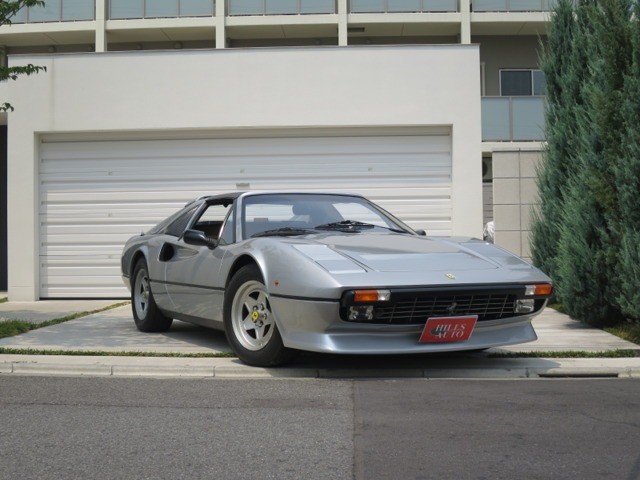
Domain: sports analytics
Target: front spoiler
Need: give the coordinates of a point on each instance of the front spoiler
(317, 327)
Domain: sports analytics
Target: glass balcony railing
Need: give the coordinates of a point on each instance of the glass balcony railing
(57, 11)
(125, 9)
(513, 119)
(513, 5)
(280, 7)
(402, 6)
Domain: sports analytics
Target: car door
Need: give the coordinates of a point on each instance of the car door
(192, 272)
(163, 234)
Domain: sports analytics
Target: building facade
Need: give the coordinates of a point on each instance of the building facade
(432, 108)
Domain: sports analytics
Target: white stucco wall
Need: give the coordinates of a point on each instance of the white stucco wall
(233, 90)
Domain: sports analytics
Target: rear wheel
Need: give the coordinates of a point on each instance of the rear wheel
(250, 323)
(146, 314)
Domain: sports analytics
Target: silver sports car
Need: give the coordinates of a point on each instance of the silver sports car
(287, 271)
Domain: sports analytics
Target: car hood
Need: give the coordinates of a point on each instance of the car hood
(410, 253)
(403, 253)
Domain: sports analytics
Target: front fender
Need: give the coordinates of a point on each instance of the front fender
(285, 270)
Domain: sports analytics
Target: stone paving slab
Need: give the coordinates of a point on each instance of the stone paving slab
(114, 331)
(45, 310)
(557, 332)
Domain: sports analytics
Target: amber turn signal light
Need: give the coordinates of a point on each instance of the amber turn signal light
(371, 295)
(544, 289)
(539, 289)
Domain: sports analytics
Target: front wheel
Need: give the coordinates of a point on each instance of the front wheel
(250, 323)
(146, 314)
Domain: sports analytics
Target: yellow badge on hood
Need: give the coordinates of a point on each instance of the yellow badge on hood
(451, 276)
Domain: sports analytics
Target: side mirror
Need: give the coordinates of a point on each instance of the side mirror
(198, 238)
(421, 232)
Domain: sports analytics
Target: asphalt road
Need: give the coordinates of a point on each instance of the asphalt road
(78, 428)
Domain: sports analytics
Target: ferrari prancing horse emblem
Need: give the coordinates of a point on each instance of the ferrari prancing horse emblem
(451, 276)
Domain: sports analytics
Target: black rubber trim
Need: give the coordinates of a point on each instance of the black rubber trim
(305, 299)
(187, 285)
(220, 289)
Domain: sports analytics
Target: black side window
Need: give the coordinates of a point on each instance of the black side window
(177, 227)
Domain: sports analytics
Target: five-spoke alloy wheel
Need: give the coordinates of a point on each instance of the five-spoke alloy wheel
(250, 323)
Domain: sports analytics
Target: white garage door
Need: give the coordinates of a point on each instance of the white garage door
(96, 194)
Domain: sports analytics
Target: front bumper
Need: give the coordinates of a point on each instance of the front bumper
(316, 326)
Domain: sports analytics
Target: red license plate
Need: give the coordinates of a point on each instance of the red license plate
(448, 329)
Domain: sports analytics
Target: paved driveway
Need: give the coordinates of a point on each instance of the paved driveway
(114, 331)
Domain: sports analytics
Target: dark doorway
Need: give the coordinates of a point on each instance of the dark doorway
(3, 207)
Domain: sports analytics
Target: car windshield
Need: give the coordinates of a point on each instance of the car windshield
(300, 214)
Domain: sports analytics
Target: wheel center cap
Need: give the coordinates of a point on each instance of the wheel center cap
(255, 315)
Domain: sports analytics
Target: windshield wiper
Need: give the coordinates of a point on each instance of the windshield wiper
(354, 226)
(284, 232)
(345, 226)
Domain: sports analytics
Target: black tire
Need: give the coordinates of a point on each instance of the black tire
(146, 314)
(260, 345)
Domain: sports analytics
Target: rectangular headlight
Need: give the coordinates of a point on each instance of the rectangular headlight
(524, 306)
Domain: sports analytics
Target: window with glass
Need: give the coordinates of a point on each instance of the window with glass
(513, 5)
(179, 223)
(280, 7)
(214, 222)
(522, 82)
(124, 9)
(57, 11)
(297, 214)
(402, 6)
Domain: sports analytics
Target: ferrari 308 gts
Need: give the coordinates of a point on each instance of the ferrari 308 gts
(326, 272)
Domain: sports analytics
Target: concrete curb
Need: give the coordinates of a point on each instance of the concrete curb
(225, 368)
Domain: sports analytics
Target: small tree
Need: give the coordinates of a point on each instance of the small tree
(8, 8)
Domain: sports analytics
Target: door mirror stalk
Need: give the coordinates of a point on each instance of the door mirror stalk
(198, 238)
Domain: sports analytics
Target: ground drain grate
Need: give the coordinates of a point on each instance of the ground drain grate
(578, 375)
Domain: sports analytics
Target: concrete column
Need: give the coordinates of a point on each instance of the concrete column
(515, 195)
(465, 27)
(101, 32)
(342, 23)
(23, 236)
(221, 32)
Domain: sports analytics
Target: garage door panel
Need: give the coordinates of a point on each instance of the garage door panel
(139, 149)
(54, 275)
(106, 290)
(75, 251)
(80, 174)
(89, 239)
(94, 195)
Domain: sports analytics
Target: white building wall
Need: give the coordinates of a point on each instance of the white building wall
(190, 93)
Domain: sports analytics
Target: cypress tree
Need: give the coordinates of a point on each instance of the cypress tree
(590, 239)
(628, 183)
(563, 92)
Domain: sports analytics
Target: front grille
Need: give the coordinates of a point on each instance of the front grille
(419, 309)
